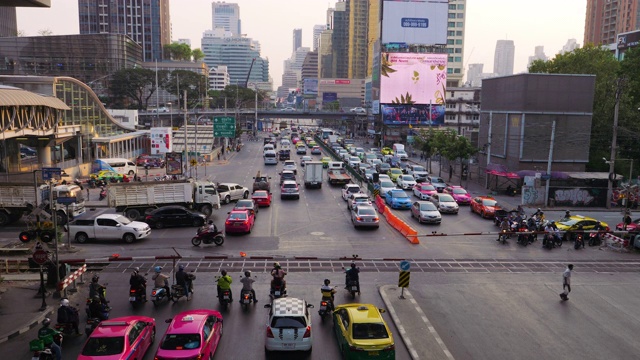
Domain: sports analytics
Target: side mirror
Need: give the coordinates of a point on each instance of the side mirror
(267, 306)
(382, 311)
(310, 305)
(168, 321)
(118, 225)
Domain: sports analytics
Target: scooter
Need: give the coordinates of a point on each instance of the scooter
(353, 287)
(594, 239)
(579, 242)
(246, 298)
(158, 295)
(65, 328)
(204, 236)
(502, 238)
(41, 351)
(88, 302)
(137, 296)
(277, 291)
(224, 298)
(326, 306)
(103, 194)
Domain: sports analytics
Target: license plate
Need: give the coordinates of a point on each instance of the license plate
(354, 288)
(373, 353)
(277, 293)
(237, 224)
(132, 298)
(246, 301)
(323, 308)
(314, 183)
(226, 297)
(289, 345)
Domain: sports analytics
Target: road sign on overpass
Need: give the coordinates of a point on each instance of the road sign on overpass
(224, 126)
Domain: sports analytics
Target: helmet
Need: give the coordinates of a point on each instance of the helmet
(353, 265)
(64, 302)
(247, 273)
(158, 269)
(210, 222)
(181, 267)
(539, 210)
(327, 281)
(276, 265)
(95, 278)
(136, 269)
(46, 322)
(223, 272)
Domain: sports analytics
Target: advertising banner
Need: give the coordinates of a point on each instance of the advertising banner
(413, 115)
(310, 87)
(415, 22)
(329, 97)
(410, 78)
(627, 40)
(173, 163)
(161, 140)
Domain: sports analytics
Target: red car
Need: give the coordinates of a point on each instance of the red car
(262, 197)
(486, 206)
(423, 191)
(633, 227)
(126, 337)
(239, 221)
(192, 334)
(459, 194)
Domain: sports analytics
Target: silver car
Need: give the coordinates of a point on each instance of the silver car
(365, 216)
(426, 212)
(445, 203)
(357, 200)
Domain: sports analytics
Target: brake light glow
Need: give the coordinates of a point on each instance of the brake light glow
(355, 348)
(153, 293)
(323, 303)
(269, 332)
(308, 332)
(390, 347)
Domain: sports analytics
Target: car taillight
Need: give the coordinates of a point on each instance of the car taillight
(269, 332)
(132, 291)
(323, 303)
(153, 293)
(227, 222)
(376, 219)
(148, 217)
(390, 347)
(358, 218)
(308, 332)
(355, 348)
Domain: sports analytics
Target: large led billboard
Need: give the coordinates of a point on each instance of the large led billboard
(410, 78)
(310, 86)
(415, 22)
(413, 115)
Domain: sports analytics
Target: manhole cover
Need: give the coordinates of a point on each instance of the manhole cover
(317, 233)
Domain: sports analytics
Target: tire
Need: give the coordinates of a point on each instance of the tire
(155, 302)
(218, 240)
(24, 236)
(197, 222)
(196, 242)
(482, 215)
(206, 209)
(62, 217)
(129, 238)
(245, 195)
(82, 238)
(227, 199)
(131, 173)
(158, 225)
(5, 219)
(133, 214)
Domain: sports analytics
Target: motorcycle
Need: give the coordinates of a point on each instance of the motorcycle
(579, 241)
(137, 296)
(205, 236)
(92, 323)
(502, 238)
(353, 287)
(41, 351)
(595, 239)
(277, 291)
(326, 306)
(158, 295)
(224, 298)
(246, 298)
(104, 296)
(65, 328)
(549, 241)
(103, 194)
(524, 236)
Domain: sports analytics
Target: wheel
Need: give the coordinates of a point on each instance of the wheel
(206, 209)
(158, 225)
(482, 214)
(132, 214)
(82, 238)
(129, 238)
(198, 222)
(218, 240)
(245, 195)
(24, 236)
(131, 173)
(153, 335)
(4, 218)
(227, 199)
(62, 217)
(196, 242)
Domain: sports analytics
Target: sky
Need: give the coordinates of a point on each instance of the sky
(549, 23)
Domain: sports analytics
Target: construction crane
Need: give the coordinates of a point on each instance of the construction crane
(246, 83)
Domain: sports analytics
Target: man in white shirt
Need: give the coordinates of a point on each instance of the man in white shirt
(566, 282)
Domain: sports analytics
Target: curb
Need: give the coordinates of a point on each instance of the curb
(396, 321)
(48, 312)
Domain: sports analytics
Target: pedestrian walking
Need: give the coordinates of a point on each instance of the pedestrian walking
(88, 198)
(627, 219)
(566, 282)
(218, 156)
(421, 156)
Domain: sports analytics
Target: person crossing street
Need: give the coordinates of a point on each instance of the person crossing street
(566, 282)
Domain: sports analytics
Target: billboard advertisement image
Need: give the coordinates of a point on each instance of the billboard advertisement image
(329, 97)
(415, 22)
(310, 87)
(410, 78)
(161, 142)
(413, 115)
(173, 163)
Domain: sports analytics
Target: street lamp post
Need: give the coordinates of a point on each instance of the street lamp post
(171, 113)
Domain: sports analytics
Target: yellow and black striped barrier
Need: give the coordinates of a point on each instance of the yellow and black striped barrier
(403, 279)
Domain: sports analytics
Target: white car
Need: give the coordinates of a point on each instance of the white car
(354, 161)
(386, 186)
(350, 189)
(445, 203)
(291, 166)
(358, 110)
(406, 182)
(402, 155)
(288, 325)
(305, 159)
(345, 155)
(229, 192)
(383, 177)
(358, 199)
(419, 172)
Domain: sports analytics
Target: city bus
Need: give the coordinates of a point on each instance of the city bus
(326, 133)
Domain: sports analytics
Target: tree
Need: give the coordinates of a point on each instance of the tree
(629, 115)
(423, 143)
(195, 84)
(197, 55)
(177, 51)
(131, 86)
(457, 147)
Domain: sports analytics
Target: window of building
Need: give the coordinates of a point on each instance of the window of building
(458, 59)
(450, 59)
(460, 15)
(458, 41)
(450, 41)
(452, 6)
(451, 106)
(451, 24)
(458, 50)
(450, 117)
(449, 71)
(460, 6)
(451, 33)
(456, 71)
(458, 33)
(459, 24)
(452, 16)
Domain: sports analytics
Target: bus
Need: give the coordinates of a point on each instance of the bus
(326, 133)
(122, 166)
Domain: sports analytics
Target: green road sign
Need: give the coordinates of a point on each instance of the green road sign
(224, 126)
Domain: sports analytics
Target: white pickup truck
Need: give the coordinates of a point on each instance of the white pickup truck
(108, 227)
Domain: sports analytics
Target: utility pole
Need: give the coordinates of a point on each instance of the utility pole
(186, 122)
(553, 138)
(619, 84)
(488, 150)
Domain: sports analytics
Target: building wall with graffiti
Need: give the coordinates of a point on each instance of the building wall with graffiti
(578, 197)
(532, 196)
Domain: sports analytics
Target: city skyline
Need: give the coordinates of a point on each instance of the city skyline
(565, 22)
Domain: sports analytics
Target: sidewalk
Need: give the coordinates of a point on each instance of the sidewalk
(20, 308)
(417, 333)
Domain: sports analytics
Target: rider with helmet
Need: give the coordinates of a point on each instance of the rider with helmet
(47, 335)
(352, 274)
(68, 315)
(138, 282)
(212, 228)
(224, 283)
(247, 285)
(327, 290)
(184, 279)
(161, 280)
(278, 276)
(95, 288)
(97, 309)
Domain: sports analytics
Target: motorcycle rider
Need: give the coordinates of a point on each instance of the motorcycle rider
(278, 276)
(247, 284)
(97, 309)
(138, 282)
(68, 315)
(47, 334)
(224, 283)
(161, 280)
(579, 233)
(212, 228)
(327, 291)
(182, 279)
(567, 216)
(352, 274)
(95, 288)
(504, 226)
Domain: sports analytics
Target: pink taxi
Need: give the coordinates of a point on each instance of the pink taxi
(459, 194)
(423, 191)
(192, 334)
(126, 337)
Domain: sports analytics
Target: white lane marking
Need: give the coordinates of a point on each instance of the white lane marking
(396, 321)
(432, 330)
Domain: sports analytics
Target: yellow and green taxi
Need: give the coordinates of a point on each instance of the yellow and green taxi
(575, 221)
(386, 151)
(362, 333)
(325, 161)
(394, 173)
(107, 175)
(312, 143)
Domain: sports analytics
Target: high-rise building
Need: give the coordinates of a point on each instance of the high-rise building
(237, 53)
(358, 47)
(226, 16)
(8, 23)
(147, 22)
(340, 40)
(538, 54)
(219, 78)
(297, 39)
(474, 73)
(571, 45)
(325, 55)
(373, 33)
(455, 42)
(503, 58)
(310, 66)
(317, 30)
(607, 18)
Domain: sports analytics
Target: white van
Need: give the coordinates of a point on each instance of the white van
(268, 147)
(122, 166)
(270, 157)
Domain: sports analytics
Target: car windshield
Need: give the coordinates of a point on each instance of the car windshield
(369, 171)
(570, 222)
(353, 158)
(123, 220)
(103, 346)
(386, 184)
(487, 202)
(427, 188)
(399, 194)
(289, 163)
(407, 177)
(366, 211)
(361, 200)
(288, 322)
(436, 180)
(353, 189)
(396, 171)
(260, 194)
(370, 331)
(289, 186)
(427, 207)
(459, 191)
(180, 342)
(418, 168)
(237, 216)
(446, 198)
(244, 203)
